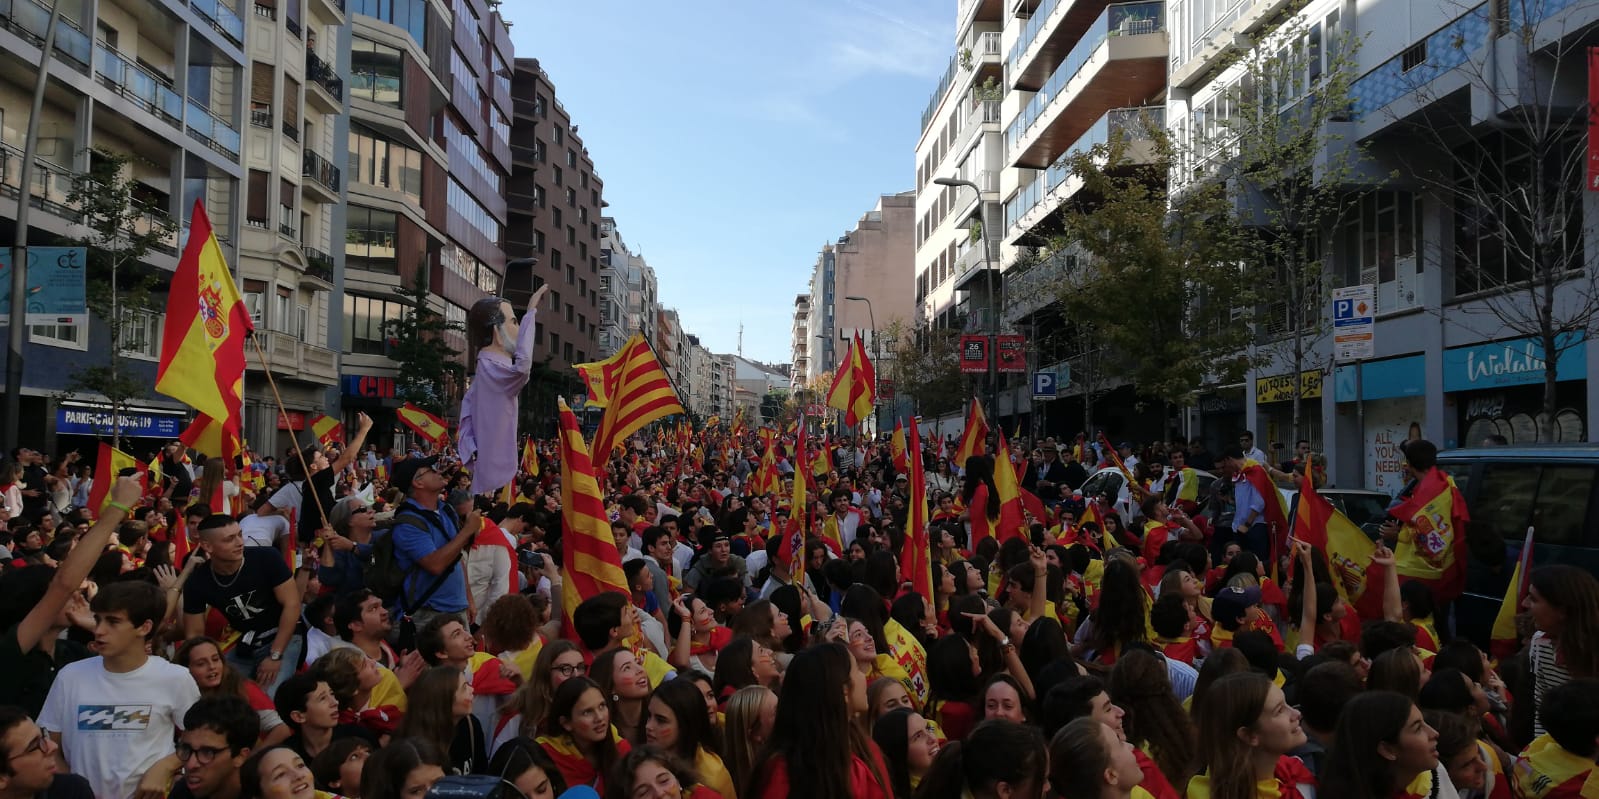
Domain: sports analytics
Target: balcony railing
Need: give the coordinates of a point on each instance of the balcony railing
(318, 264)
(52, 192)
(1128, 121)
(221, 17)
(29, 18)
(261, 115)
(943, 86)
(1031, 28)
(151, 91)
(1125, 19)
(266, 12)
(207, 128)
(320, 169)
(290, 131)
(319, 72)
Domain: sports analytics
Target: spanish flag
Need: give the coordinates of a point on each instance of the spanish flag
(916, 557)
(792, 551)
(635, 390)
(107, 464)
(327, 429)
(1348, 550)
(897, 444)
(974, 439)
(426, 425)
(202, 347)
(854, 385)
(530, 458)
(1011, 523)
(589, 559)
(1503, 640)
(212, 438)
(1432, 542)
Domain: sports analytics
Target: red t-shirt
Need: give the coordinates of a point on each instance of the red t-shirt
(862, 783)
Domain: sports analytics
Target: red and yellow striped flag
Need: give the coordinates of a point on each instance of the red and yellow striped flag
(202, 347)
(854, 385)
(974, 439)
(109, 462)
(589, 558)
(327, 429)
(1011, 522)
(916, 556)
(425, 424)
(637, 392)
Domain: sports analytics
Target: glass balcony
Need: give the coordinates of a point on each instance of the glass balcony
(207, 128)
(1128, 121)
(121, 74)
(29, 19)
(52, 192)
(1125, 19)
(221, 17)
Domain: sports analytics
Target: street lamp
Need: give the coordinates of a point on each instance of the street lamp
(876, 353)
(993, 308)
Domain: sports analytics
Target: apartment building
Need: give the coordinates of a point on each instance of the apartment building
(614, 258)
(800, 340)
(643, 299)
(556, 202)
(163, 84)
(873, 262)
(289, 254)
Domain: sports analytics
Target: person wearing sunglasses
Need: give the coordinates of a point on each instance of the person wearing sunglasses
(347, 547)
(28, 761)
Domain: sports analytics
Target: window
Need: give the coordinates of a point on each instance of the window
(560, 136)
(557, 176)
(364, 323)
(408, 14)
(571, 157)
(69, 336)
(538, 196)
(571, 275)
(1414, 56)
(282, 307)
(571, 235)
(302, 323)
(566, 351)
(256, 213)
(375, 160)
(375, 71)
(469, 209)
(370, 240)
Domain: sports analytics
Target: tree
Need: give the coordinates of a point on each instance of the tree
(123, 225)
(1139, 270)
(925, 367)
(1292, 179)
(1512, 168)
(430, 369)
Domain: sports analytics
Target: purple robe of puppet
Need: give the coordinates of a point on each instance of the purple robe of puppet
(487, 431)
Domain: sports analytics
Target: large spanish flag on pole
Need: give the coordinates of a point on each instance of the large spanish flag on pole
(590, 561)
(854, 385)
(425, 424)
(1333, 536)
(974, 439)
(203, 337)
(1011, 523)
(637, 391)
(202, 347)
(916, 556)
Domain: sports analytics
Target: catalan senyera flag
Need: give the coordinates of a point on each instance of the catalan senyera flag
(1011, 522)
(202, 346)
(916, 555)
(530, 458)
(897, 445)
(1432, 542)
(637, 392)
(766, 479)
(1502, 641)
(327, 429)
(107, 464)
(974, 439)
(425, 424)
(854, 385)
(1346, 549)
(589, 558)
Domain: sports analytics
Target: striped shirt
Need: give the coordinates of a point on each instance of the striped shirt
(1548, 673)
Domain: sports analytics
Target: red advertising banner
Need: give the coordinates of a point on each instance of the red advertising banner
(885, 390)
(1593, 119)
(974, 354)
(1013, 354)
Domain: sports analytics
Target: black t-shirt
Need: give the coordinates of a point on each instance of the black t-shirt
(71, 786)
(177, 474)
(297, 742)
(244, 597)
(311, 513)
(29, 675)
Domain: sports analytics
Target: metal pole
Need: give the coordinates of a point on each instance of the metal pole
(19, 246)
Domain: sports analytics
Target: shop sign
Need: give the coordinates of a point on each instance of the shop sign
(1384, 379)
(1512, 363)
(1280, 388)
(368, 386)
(1013, 354)
(294, 420)
(97, 420)
(974, 354)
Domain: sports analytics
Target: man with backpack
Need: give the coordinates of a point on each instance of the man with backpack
(428, 540)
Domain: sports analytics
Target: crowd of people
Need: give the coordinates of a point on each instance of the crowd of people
(337, 621)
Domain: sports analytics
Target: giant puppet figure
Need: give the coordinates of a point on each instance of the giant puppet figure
(489, 411)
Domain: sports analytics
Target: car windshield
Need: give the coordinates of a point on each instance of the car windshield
(1363, 508)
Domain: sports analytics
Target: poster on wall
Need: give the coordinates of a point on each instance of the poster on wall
(1518, 416)
(1389, 423)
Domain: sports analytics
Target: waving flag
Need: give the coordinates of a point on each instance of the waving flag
(792, 550)
(1011, 523)
(327, 429)
(636, 390)
(974, 439)
(897, 445)
(107, 464)
(1432, 542)
(426, 425)
(207, 435)
(589, 558)
(854, 385)
(916, 556)
(1503, 640)
(530, 459)
(1346, 549)
(202, 345)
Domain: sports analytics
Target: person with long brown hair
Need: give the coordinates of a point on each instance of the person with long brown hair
(440, 710)
(1088, 760)
(1246, 730)
(1564, 604)
(626, 688)
(819, 747)
(751, 715)
(676, 722)
(1140, 684)
(1382, 750)
(558, 661)
(202, 656)
(999, 759)
(578, 736)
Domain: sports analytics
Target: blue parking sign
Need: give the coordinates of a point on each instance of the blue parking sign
(1044, 385)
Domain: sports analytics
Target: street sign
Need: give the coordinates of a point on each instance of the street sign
(1353, 310)
(1044, 385)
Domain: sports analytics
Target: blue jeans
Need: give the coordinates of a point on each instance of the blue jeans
(246, 666)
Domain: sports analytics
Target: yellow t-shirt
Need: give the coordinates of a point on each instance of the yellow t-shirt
(714, 774)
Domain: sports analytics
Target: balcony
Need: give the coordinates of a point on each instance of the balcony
(261, 115)
(144, 88)
(1232, 31)
(320, 74)
(292, 358)
(290, 131)
(1046, 39)
(269, 13)
(938, 93)
(318, 265)
(984, 117)
(222, 18)
(52, 193)
(323, 176)
(1121, 58)
(1046, 193)
(215, 133)
(1030, 290)
(334, 8)
(29, 18)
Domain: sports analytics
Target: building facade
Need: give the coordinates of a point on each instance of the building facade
(614, 257)
(800, 340)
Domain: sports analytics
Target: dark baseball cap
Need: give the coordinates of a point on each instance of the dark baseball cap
(405, 471)
(1233, 602)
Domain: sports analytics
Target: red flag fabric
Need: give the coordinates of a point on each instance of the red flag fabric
(974, 438)
(916, 556)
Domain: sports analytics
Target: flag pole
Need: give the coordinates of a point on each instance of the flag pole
(266, 367)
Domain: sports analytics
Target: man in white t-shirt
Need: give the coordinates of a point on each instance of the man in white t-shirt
(265, 528)
(116, 716)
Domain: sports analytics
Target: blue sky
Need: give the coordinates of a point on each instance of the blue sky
(735, 138)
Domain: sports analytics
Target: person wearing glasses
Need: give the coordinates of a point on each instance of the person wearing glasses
(28, 762)
(219, 733)
(346, 547)
(560, 660)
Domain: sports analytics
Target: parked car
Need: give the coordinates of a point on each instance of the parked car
(1367, 509)
(1550, 488)
(1111, 483)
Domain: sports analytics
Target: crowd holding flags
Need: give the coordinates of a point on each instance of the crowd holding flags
(633, 389)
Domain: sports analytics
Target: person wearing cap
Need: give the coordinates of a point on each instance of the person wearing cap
(346, 547)
(1236, 609)
(430, 552)
(717, 560)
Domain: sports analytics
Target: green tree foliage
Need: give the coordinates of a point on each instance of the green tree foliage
(431, 371)
(122, 226)
(926, 367)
